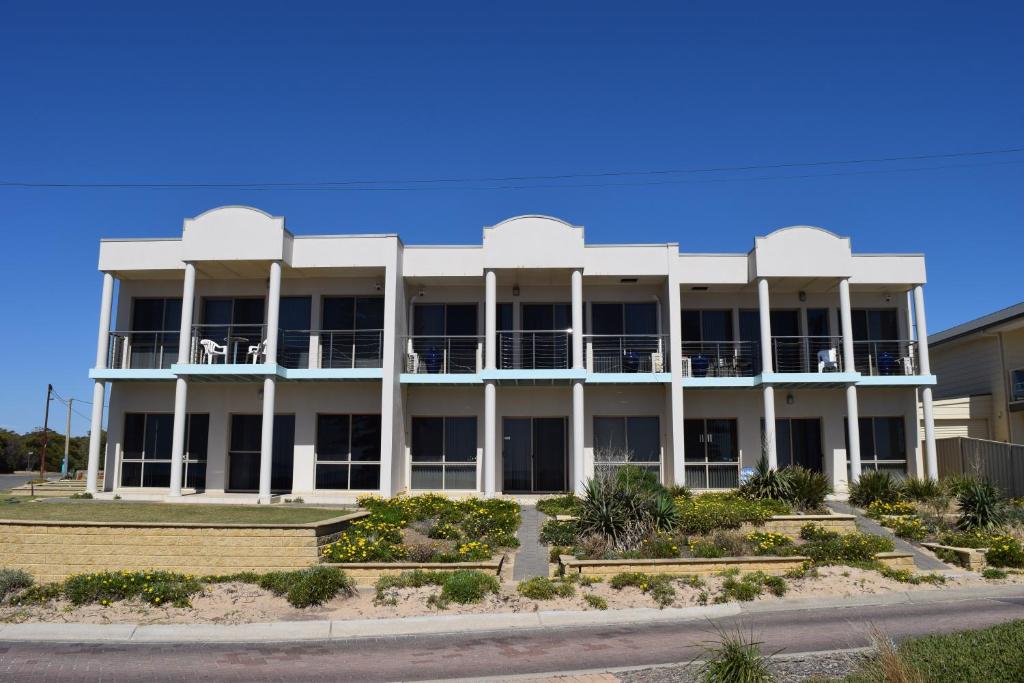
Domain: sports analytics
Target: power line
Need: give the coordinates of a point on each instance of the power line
(354, 185)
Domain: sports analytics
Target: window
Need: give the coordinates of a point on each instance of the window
(352, 334)
(1017, 385)
(244, 453)
(625, 337)
(443, 453)
(293, 332)
(883, 444)
(348, 452)
(622, 440)
(146, 450)
(235, 323)
(798, 442)
(156, 326)
(712, 453)
(445, 338)
(707, 326)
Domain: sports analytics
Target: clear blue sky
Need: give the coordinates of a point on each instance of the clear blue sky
(275, 92)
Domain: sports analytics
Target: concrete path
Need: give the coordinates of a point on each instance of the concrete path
(439, 651)
(922, 559)
(532, 556)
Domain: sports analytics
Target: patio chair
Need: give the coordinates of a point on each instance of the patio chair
(256, 351)
(828, 360)
(211, 349)
(700, 366)
(887, 364)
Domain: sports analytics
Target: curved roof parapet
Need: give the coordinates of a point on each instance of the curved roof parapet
(801, 251)
(533, 242)
(236, 233)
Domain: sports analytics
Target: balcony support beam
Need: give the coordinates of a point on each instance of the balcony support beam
(180, 384)
(579, 466)
(764, 310)
(577, 321)
(269, 384)
(846, 322)
(769, 445)
(490, 319)
(675, 387)
(852, 435)
(930, 456)
(99, 388)
(490, 440)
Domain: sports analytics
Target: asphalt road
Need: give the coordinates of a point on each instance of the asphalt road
(9, 481)
(486, 654)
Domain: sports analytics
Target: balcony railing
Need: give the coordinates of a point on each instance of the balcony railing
(443, 354)
(721, 359)
(629, 353)
(886, 357)
(349, 348)
(142, 350)
(228, 344)
(807, 354)
(535, 350)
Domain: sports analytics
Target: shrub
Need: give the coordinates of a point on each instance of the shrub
(543, 588)
(559, 505)
(735, 659)
(732, 542)
(658, 586)
(921, 489)
(661, 545)
(705, 548)
(388, 584)
(874, 485)
(808, 489)
(767, 482)
(308, 587)
(981, 506)
(13, 581)
(994, 574)
(678, 491)
(158, 588)
(882, 508)
(907, 576)
(1005, 551)
(976, 538)
(829, 547)
(750, 586)
(596, 601)
(910, 528)
(768, 543)
(626, 508)
(955, 484)
(467, 586)
(704, 513)
(555, 532)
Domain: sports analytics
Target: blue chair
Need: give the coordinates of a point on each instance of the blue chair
(699, 365)
(433, 360)
(886, 364)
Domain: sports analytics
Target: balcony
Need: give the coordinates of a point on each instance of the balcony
(443, 354)
(807, 354)
(721, 359)
(886, 358)
(534, 350)
(142, 350)
(626, 354)
(228, 345)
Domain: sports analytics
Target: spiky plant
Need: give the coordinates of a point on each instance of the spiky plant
(981, 506)
(874, 485)
(808, 489)
(767, 482)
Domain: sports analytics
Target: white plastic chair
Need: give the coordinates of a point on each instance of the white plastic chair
(211, 349)
(828, 361)
(257, 350)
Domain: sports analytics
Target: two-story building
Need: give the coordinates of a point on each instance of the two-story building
(246, 362)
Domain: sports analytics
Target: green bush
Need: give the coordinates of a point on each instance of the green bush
(955, 484)
(308, 587)
(767, 542)
(157, 588)
(387, 585)
(596, 601)
(658, 586)
(874, 485)
(750, 586)
(736, 658)
(13, 581)
(921, 490)
(1005, 551)
(828, 547)
(910, 528)
(981, 506)
(707, 512)
(467, 586)
(808, 489)
(555, 532)
(706, 549)
(543, 588)
(660, 546)
(907, 576)
(559, 505)
(994, 574)
(767, 483)
(625, 509)
(976, 538)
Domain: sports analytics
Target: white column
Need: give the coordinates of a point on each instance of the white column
(930, 457)
(579, 469)
(180, 385)
(316, 306)
(577, 321)
(853, 434)
(490, 319)
(675, 339)
(490, 439)
(769, 427)
(764, 309)
(269, 383)
(846, 321)
(99, 389)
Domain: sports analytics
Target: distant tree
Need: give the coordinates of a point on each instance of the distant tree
(12, 451)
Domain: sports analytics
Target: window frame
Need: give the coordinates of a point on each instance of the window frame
(657, 466)
(875, 462)
(349, 462)
(1017, 379)
(444, 463)
(187, 457)
(706, 464)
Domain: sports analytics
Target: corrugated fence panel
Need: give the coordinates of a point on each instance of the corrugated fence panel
(998, 462)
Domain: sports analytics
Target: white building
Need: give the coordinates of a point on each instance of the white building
(248, 360)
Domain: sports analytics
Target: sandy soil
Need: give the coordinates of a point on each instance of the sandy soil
(236, 603)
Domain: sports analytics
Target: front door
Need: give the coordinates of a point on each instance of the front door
(534, 454)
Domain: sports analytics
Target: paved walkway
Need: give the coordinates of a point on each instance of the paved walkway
(922, 559)
(532, 557)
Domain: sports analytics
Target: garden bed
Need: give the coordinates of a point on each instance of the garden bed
(367, 573)
(968, 558)
(775, 565)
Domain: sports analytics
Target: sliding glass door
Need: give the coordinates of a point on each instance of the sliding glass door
(534, 454)
(244, 453)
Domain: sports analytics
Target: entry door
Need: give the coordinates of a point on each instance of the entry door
(244, 456)
(534, 454)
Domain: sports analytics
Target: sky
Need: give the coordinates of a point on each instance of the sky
(248, 92)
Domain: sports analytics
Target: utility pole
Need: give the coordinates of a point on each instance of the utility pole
(67, 442)
(46, 434)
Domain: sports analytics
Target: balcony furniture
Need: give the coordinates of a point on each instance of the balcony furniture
(700, 366)
(828, 360)
(412, 362)
(657, 362)
(212, 349)
(257, 351)
(630, 361)
(887, 364)
(687, 369)
(234, 341)
(433, 360)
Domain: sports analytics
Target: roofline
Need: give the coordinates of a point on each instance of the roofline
(980, 324)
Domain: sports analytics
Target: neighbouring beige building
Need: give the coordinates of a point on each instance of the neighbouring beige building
(980, 369)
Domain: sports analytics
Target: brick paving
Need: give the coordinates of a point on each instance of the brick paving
(532, 557)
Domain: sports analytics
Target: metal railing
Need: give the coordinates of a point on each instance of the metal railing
(534, 350)
(885, 357)
(228, 344)
(807, 354)
(138, 350)
(721, 359)
(349, 348)
(626, 353)
(443, 354)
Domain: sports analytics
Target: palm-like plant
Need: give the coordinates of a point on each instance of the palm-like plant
(767, 482)
(981, 506)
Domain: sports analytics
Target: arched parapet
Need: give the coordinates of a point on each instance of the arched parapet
(236, 233)
(533, 242)
(801, 251)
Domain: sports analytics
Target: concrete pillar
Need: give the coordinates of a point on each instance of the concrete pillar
(764, 309)
(675, 356)
(269, 383)
(846, 320)
(769, 445)
(99, 389)
(577, 321)
(490, 440)
(180, 385)
(490, 319)
(853, 434)
(930, 457)
(579, 468)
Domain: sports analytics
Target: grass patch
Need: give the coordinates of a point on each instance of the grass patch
(86, 511)
(464, 586)
(559, 505)
(994, 574)
(543, 588)
(735, 658)
(596, 601)
(750, 586)
(658, 586)
(308, 587)
(14, 581)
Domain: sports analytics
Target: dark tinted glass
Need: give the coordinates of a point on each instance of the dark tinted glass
(365, 477)
(609, 437)
(148, 314)
(607, 318)
(866, 430)
(217, 311)
(716, 325)
(294, 313)
(785, 323)
(460, 439)
(722, 441)
(549, 453)
(366, 437)
(890, 438)
(134, 430)
(157, 474)
(248, 311)
(817, 322)
(460, 319)
(370, 313)
(246, 432)
(131, 473)
(198, 436)
(505, 317)
(538, 317)
(806, 449)
(691, 326)
(427, 439)
(428, 320)
(750, 326)
(332, 437)
(644, 438)
(159, 431)
(283, 453)
(641, 318)
(338, 313)
(693, 440)
(332, 476)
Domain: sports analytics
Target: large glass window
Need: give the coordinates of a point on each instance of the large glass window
(798, 442)
(244, 453)
(234, 323)
(293, 334)
(443, 453)
(1017, 385)
(712, 453)
(146, 450)
(544, 342)
(883, 444)
(707, 325)
(625, 337)
(153, 341)
(622, 440)
(352, 334)
(348, 452)
(445, 338)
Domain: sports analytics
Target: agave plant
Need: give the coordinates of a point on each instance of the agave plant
(808, 489)
(921, 490)
(981, 506)
(874, 485)
(767, 482)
